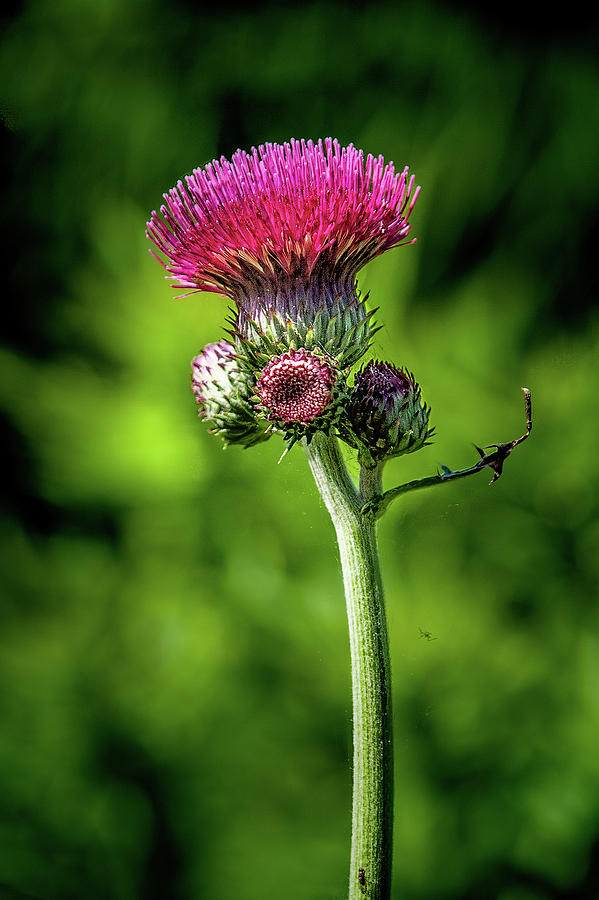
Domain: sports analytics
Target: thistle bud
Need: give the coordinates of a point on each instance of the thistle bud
(385, 414)
(223, 394)
(298, 392)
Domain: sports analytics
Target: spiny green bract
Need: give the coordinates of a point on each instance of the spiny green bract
(343, 333)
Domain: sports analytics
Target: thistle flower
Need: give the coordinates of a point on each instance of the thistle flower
(222, 393)
(283, 231)
(385, 414)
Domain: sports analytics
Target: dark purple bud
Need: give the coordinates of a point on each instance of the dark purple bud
(385, 412)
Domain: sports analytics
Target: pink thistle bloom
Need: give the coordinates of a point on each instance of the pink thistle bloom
(296, 387)
(286, 226)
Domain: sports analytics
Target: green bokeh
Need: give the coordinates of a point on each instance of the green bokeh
(175, 706)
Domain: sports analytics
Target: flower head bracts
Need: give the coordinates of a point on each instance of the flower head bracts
(282, 211)
(223, 392)
(385, 414)
(341, 330)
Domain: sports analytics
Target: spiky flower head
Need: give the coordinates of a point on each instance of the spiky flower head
(223, 392)
(283, 231)
(299, 392)
(385, 413)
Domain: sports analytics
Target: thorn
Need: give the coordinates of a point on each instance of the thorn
(286, 450)
(480, 451)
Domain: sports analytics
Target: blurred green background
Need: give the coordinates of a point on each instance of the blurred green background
(175, 697)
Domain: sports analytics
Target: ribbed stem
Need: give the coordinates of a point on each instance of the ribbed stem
(372, 816)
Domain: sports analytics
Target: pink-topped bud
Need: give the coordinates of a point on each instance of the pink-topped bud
(211, 372)
(223, 394)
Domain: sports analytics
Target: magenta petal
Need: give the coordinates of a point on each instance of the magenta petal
(281, 210)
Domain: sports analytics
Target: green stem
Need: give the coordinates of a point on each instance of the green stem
(372, 817)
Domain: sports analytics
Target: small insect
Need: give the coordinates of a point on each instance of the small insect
(362, 880)
(427, 635)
